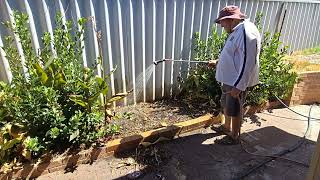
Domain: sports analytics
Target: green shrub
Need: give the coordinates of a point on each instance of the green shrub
(276, 76)
(201, 84)
(52, 98)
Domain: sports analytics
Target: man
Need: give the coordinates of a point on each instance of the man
(238, 67)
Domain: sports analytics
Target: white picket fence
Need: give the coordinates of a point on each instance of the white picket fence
(137, 32)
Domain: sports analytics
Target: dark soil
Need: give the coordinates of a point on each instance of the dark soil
(147, 116)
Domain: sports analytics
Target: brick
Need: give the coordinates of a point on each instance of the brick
(308, 102)
(311, 73)
(311, 98)
(302, 76)
(296, 102)
(310, 94)
(298, 89)
(293, 98)
(299, 93)
(314, 87)
(301, 84)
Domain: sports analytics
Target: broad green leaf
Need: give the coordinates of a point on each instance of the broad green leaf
(59, 79)
(50, 74)
(105, 90)
(102, 85)
(78, 99)
(83, 85)
(100, 81)
(10, 144)
(41, 73)
(94, 97)
(117, 97)
(74, 135)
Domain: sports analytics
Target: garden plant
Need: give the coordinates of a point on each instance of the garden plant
(53, 101)
(276, 75)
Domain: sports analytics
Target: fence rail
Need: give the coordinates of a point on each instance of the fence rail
(137, 32)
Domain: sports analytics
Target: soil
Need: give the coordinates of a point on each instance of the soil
(147, 116)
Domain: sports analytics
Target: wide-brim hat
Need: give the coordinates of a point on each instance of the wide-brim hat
(230, 12)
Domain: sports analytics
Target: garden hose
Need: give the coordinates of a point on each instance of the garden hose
(295, 111)
(317, 119)
(278, 155)
(177, 60)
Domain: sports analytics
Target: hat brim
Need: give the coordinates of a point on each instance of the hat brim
(234, 16)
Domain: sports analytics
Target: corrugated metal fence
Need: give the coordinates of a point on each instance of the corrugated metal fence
(137, 32)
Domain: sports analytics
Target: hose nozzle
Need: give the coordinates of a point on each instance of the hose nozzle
(157, 62)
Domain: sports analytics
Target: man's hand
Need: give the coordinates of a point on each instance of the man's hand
(235, 92)
(212, 63)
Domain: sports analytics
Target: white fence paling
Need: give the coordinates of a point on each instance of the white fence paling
(137, 32)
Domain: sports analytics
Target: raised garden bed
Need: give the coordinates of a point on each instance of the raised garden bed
(67, 161)
(143, 123)
(134, 119)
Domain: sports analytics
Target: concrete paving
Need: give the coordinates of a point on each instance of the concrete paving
(195, 155)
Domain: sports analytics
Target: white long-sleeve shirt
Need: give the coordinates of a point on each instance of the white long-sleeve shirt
(239, 60)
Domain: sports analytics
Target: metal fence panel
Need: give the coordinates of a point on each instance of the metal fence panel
(137, 32)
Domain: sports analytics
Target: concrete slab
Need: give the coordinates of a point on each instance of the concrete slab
(196, 156)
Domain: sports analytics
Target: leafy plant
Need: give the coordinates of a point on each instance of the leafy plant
(52, 96)
(200, 83)
(276, 76)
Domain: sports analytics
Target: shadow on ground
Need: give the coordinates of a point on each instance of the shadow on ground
(196, 156)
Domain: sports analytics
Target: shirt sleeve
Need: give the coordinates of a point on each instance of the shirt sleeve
(247, 47)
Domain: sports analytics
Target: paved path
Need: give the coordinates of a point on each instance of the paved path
(196, 156)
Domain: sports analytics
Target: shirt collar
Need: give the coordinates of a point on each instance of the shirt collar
(238, 26)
